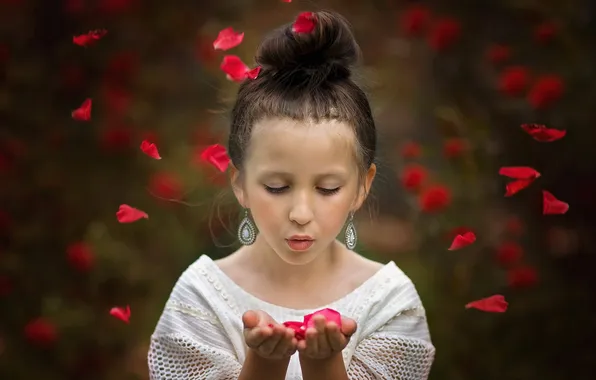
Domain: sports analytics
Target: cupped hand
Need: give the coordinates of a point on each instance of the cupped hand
(326, 339)
(266, 337)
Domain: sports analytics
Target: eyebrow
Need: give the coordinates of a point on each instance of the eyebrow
(274, 173)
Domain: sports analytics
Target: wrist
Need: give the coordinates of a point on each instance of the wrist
(256, 367)
(254, 355)
(309, 360)
(331, 367)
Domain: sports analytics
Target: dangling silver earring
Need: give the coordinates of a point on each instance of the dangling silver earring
(351, 237)
(247, 232)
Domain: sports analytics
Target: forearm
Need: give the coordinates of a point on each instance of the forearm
(323, 369)
(257, 368)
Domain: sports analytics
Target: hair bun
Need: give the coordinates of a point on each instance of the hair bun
(326, 53)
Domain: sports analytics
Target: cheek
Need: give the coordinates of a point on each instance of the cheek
(266, 211)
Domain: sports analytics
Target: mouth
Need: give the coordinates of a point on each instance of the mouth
(300, 243)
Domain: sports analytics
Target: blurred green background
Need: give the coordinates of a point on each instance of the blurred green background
(450, 83)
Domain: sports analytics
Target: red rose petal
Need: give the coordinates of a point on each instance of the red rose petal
(121, 313)
(150, 150)
(298, 327)
(89, 38)
(553, 206)
(254, 73)
(305, 23)
(127, 214)
(543, 134)
(516, 186)
(329, 314)
(234, 68)
(519, 172)
(524, 176)
(462, 241)
(83, 113)
(492, 304)
(227, 39)
(217, 156)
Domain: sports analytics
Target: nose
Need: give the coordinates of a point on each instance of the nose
(301, 212)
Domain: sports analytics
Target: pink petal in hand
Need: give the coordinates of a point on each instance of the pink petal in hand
(329, 314)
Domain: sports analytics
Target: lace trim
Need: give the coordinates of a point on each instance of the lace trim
(219, 288)
(192, 311)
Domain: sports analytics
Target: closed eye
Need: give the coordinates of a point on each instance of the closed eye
(276, 190)
(325, 191)
(281, 189)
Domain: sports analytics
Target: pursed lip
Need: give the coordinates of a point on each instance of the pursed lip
(301, 238)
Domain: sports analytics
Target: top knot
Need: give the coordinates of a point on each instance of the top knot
(327, 52)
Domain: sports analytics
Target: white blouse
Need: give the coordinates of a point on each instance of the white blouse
(200, 333)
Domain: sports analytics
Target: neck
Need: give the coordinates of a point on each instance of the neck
(288, 276)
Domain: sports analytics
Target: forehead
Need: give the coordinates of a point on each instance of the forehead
(287, 144)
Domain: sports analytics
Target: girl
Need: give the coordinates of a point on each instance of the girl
(302, 145)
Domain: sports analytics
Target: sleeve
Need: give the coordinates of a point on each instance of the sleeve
(401, 349)
(189, 342)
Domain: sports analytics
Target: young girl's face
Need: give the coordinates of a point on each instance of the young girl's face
(301, 181)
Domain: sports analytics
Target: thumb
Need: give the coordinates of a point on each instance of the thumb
(250, 319)
(348, 326)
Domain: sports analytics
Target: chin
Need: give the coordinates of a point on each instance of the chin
(296, 258)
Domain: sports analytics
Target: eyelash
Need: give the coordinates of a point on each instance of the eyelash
(279, 190)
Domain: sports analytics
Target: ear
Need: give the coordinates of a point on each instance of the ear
(238, 186)
(365, 186)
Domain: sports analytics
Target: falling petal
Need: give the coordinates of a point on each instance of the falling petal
(121, 313)
(254, 73)
(127, 214)
(217, 156)
(89, 38)
(543, 134)
(492, 304)
(235, 69)
(150, 149)
(524, 176)
(305, 23)
(462, 241)
(519, 172)
(553, 206)
(227, 39)
(83, 113)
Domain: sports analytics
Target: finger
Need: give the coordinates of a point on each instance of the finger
(336, 339)
(287, 344)
(268, 346)
(312, 346)
(322, 339)
(256, 336)
(250, 319)
(348, 326)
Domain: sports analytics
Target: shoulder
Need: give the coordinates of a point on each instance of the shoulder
(359, 269)
(394, 293)
(192, 280)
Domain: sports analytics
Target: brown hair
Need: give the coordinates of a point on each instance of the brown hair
(305, 76)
